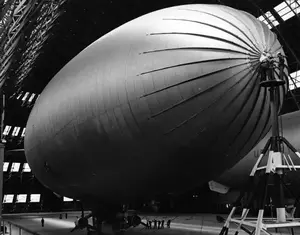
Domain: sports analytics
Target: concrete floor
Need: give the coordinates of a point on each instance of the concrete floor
(203, 224)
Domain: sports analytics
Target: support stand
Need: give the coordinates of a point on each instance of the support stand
(277, 164)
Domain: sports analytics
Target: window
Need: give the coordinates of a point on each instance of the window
(26, 167)
(288, 15)
(35, 197)
(31, 98)
(5, 166)
(296, 78)
(287, 9)
(6, 130)
(271, 20)
(67, 199)
(20, 94)
(8, 198)
(25, 96)
(15, 167)
(16, 131)
(23, 132)
(21, 198)
(295, 5)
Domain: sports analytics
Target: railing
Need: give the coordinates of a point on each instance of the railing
(8, 227)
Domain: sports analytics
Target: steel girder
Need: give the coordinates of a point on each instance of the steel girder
(24, 28)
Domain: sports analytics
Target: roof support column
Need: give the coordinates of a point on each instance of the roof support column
(2, 146)
(1, 178)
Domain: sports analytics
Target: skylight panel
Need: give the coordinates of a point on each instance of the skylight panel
(35, 197)
(284, 10)
(288, 16)
(262, 19)
(8, 198)
(20, 94)
(67, 199)
(296, 78)
(295, 5)
(25, 96)
(280, 6)
(21, 198)
(287, 9)
(6, 130)
(26, 167)
(5, 166)
(15, 167)
(16, 131)
(31, 97)
(271, 20)
(23, 132)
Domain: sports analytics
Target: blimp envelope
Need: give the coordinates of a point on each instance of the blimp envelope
(174, 94)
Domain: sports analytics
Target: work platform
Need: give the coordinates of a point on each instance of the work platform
(182, 224)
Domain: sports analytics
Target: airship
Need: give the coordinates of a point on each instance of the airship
(163, 103)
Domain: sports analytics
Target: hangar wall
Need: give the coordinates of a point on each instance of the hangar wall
(23, 192)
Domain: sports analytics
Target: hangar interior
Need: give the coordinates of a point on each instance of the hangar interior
(38, 37)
